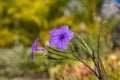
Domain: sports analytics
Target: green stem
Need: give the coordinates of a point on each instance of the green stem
(83, 62)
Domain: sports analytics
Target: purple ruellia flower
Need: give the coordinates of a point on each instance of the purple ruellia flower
(35, 48)
(60, 37)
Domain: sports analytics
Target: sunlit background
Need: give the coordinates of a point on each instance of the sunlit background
(22, 21)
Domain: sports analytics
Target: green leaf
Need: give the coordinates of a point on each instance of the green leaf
(85, 46)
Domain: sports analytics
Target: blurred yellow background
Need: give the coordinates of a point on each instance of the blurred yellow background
(22, 21)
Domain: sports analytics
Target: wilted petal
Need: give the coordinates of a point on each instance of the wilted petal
(35, 42)
(40, 48)
(31, 55)
(35, 47)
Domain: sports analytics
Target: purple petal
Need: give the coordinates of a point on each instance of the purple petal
(70, 35)
(31, 56)
(67, 33)
(62, 45)
(35, 42)
(37, 48)
(53, 40)
(64, 28)
(54, 32)
(40, 48)
(34, 45)
(34, 48)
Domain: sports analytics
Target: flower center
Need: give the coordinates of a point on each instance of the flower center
(61, 36)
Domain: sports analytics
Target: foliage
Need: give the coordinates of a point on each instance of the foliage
(35, 17)
(29, 17)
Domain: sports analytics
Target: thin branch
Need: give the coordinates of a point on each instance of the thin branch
(56, 50)
(56, 54)
(98, 55)
(61, 55)
(84, 48)
(83, 62)
(84, 44)
(93, 59)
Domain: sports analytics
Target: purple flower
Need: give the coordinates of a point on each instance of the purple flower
(35, 48)
(60, 37)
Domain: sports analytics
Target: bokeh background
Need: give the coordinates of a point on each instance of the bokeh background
(22, 21)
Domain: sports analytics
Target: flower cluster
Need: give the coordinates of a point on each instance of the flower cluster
(58, 37)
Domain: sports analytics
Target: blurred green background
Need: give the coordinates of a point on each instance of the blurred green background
(22, 21)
